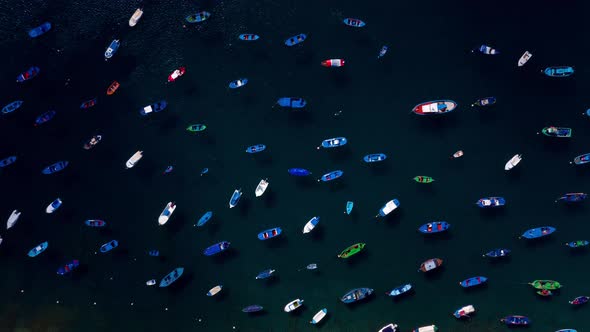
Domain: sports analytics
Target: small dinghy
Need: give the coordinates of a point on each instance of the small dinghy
(434, 227)
(248, 37)
(216, 248)
(473, 281)
(204, 219)
(95, 223)
(88, 104)
(134, 159)
(582, 159)
(238, 83)
(352, 250)
(53, 206)
(112, 49)
(112, 88)
(356, 294)
(572, 197)
(464, 312)
(293, 305)
(382, 52)
(297, 39)
(38, 31)
(559, 71)
(299, 171)
(311, 224)
(290, 102)
(423, 179)
(166, 213)
(54, 168)
(535, 233)
(545, 292)
(196, 128)
(135, 17)
(154, 108)
(213, 291)
(457, 154)
(7, 161)
(524, 58)
(515, 320)
(430, 264)
(435, 107)
(28, 74)
(557, 132)
(92, 142)
(349, 207)
(333, 142)
(489, 202)
(319, 316)
(333, 63)
(109, 246)
(176, 74)
(577, 244)
(261, 187)
(331, 176)
(68, 267)
(253, 308)
(311, 266)
(389, 328)
(487, 101)
(375, 157)
(235, 198)
(38, 249)
(41, 119)
(429, 328)
(256, 148)
(510, 164)
(265, 274)
(388, 208)
(400, 290)
(579, 300)
(269, 233)
(354, 22)
(12, 107)
(151, 282)
(485, 49)
(497, 253)
(198, 17)
(171, 277)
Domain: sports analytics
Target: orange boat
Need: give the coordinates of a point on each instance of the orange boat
(113, 87)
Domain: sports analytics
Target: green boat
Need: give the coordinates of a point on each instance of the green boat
(352, 250)
(557, 131)
(196, 127)
(423, 179)
(546, 284)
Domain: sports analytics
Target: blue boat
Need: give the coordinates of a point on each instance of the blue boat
(41, 119)
(331, 176)
(473, 281)
(497, 253)
(204, 171)
(516, 320)
(382, 52)
(388, 207)
(53, 206)
(538, 232)
(582, 159)
(87, 104)
(485, 102)
(333, 142)
(269, 233)
(109, 246)
(299, 172)
(349, 206)
(375, 157)
(58, 166)
(397, 291)
(38, 31)
(572, 197)
(238, 83)
(204, 219)
(291, 102)
(235, 198)
(577, 244)
(434, 227)
(265, 274)
(248, 37)
(155, 108)
(12, 106)
(488, 202)
(38, 249)
(354, 22)
(253, 308)
(559, 71)
(256, 148)
(356, 294)
(7, 161)
(68, 267)
(154, 253)
(485, 49)
(95, 223)
(292, 41)
(216, 248)
(29, 74)
(171, 277)
(112, 49)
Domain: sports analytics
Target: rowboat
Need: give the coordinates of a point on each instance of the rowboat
(12, 107)
(256, 148)
(515, 320)
(557, 131)
(487, 101)
(196, 127)
(333, 142)
(269, 233)
(88, 103)
(53, 168)
(497, 253)
(354, 22)
(92, 142)
(319, 316)
(134, 159)
(577, 244)
(434, 227)
(198, 17)
(510, 164)
(559, 71)
(389, 328)
(38, 249)
(382, 51)
(464, 312)
(331, 176)
(429, 328)
(248, 37)
(176, 74)
(265, 274)
(473, 281)
(375, 157)
(485, 49)
(154, 108)
(53, 206)
(297, 39)
(544, 292)
(356, 294)
(154, 253)
(213, 291)
(95, 223)
(524, 58)
(457, 154)
(311, 224)
(388, 207)
(261, 187)
(238, 83)
(135, 17)
(430, 264)
(171, 277)
(291, 102)
(567, 330)
(545, 284)
(488, 202)
(423, 179)
(112, 49)
(216, 248)
(112, 88)
(538, 232)
(579, 300)
(299, 171)
(7, 161)
(204, 219)
(349, 206)
(28, 74)
(253, 308)
(352, 250)
(397, 291)
(41, 119)
(582, 159)
(166, 213)
(109, 246)
(333, 63)
(235, 198)
(572, 197)
(38, 31)
(68, 267)
(435, 107)
(293, 305)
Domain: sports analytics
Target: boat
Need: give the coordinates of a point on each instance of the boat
(261, 187)
(567, 330)
(333, 63)
(198, 17)
(389, 328)
(430, 264)
(154, 253)
(88, 103)
(235, 198)
(291, 102)
(559, 71)
(356, 294)
(352, 250)
(538, 232)
(464, 312)
(68, 267)
(572, 197)
(28, 74)
(333, 142)
(256, 148)
(92, 142)
(134, 159)
(41, 119)
(524, 58)
(204, 171)
(7, 161)
(238, 83)
(485, 49)
(53, 206)
(515, 320)
(354, 22)
(213, 291)
(112, 88)
(423, 179)
(299, 171)
(557, 131)
(579, 300)
(311, 266)
(375, 157)
(382, 52)
(545, 292)
(176, 74)
(349, 206)
(545, 284)
(95, 223)
(269, 233)
(151, 282)
(166, 213)
(434, 227)
(473, 281)
(388, 208)
(319, 316)
(582, 159)
(196, 127)
(12, 107)
(510, 164)
(171, 277)
(248, 37)
(109, 246)
(577, 244)
(204, 219)
(457, 154)
(38, 249)
(216, 248)
(112, 49)
(400, 290)
(168, 169)
(497, 253)
(428, 328)
(311, 224)
(293, 305)
(488, 202)
(155, 108)
(487, 101)
(38, 31)
(297, 39)
(265, 274)
(435, 107)
(53, 168)
(135, 17)
(331, 176)
(253, 308)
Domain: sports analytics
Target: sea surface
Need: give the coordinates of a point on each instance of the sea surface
(429, 58)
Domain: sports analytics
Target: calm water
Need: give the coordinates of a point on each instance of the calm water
(429, 58)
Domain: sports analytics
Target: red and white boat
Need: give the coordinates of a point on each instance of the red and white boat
(333, 63)
(176, 74)
(435, 107)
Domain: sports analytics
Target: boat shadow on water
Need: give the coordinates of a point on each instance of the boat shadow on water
(542, 241)
(434, 125)
(435, 274)
(299, 119)
(278, 242)
(181, 284)
(305, 58)
(359, 258)
(433, 239)
(337, 185)
(556, 145)
(340, 154)
(269, 282)
(270, 199)
(222, 258)
(354, 305)
(475, 289)
(492, 213)
(167, 124)
(340, 79)
(244, 206)
(176, 223)
(318, 234)
(263, 159)
(380, 169)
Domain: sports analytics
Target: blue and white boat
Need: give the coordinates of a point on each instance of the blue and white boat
(248, 37)
(7, 161)
(154, 253)
(485, 49)
(53, 206)
(256, 148)
(216, 248)
(331, 176)
(297, 39)
(109, 246)
(473, 281)
(435, 107)
(311, 224)
(204, 219)
(349, 206)
(265, 274)
(299, 172)
(319, 316)
(375, 157)
(397, 291)
(582, 159)
(488, 202)
(388, 207)
(535, 233)
(497, 253)
(333, 142)
(38, 249)
(382, 52)
(238, 83)
(434, 227)
(572, 197)
(235, 198)
(171, 277)
(12, 107)
(58, 166)
(269, 233)
(155, 108)
(559, 71)
(38, 31)
(112, 49)
(292, 102)
(356, 294)
(213, 291)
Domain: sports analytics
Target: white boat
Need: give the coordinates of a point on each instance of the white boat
(261, 188)
(151, 282)
(429, 328)
(319, 316)
(311, 225)
(524, 58)
(513, 162)
(293, 305)
(465, 311)
(235, 198)
(165, 215)
(214, 290)
(388, 208)
(53, 206)
(389, 328)
(134, 159)
(0, 239)
(12, 219)
(136, 16)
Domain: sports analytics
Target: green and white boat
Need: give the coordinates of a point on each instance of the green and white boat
(545, 284)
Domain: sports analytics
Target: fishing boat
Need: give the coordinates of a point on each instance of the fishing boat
(154, 108)
(497, 253)
(577, 244)
(572, 197)
(516, 320)
(382, 52)
(109, 246)
(333, 142)
(253, 308)
(293, 305)
(204, 219)
(356, 294)
(429, 328)
(198, 17)
(171, 277)
(352, 250)
(53, 168)
(265, 274)
(238, 83)
(135, 17)
(524, 58)
(38, 31)
(261, 187)
(68, 267)
(434, 227)
(291, 102)
(248, 37)
(579, 300)
(92, 142)
(464, 312)
(176, 74)
(311, 224)
(349, 207)
(423, 179)
(134, 159)
(41, 119)
(235, 198)
(28, 74)
(112, 49)
(331, 176)
(375, 157)
(213, 291)
(582, 159)
(488, 202)
(297, 39)
(559, 71)
(299, 171)
(166, 213)
(510, 164)
(216, 248)
(196, 127)
(538, 232)
(354, 22)
(333, 63)
(545, 284)
(388, 208)
(53, 206)
(473, 281)
(112, 88)
(400, 290)
(88, 103)
(435, 107)
(7, 161)
(430, 264)
(12, 107)
(557, 131)
(457, 154)
(389, 328)
(38, 249)
(319, 316)
(256, 148)
(95, 223)
(485, 49)
(487, 101)
(269, 233)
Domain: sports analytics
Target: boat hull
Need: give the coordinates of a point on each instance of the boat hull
(535, 233)
(171, 277)
(473, 281)
(319, 316)
(166, 213)
(205, 218)
(430, 264)
(559, 71)
(297, 39)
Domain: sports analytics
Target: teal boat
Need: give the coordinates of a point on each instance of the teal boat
(38, 249)
(349, 206)
(196, 127)
(171, 277)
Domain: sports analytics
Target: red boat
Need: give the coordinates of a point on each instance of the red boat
(176, 74)
(333, 63)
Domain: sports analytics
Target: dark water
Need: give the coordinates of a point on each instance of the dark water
(429, 58)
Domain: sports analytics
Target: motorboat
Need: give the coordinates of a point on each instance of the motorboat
(261, 188)
(166, 213)
(12, 219)
(134, 159)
